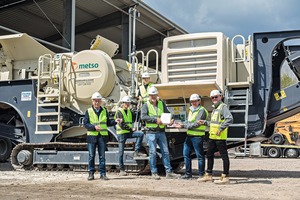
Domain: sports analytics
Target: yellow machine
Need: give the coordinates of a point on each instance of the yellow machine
(287, 131)
(285, 142)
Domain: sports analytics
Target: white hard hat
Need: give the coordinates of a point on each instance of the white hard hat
(152, 90)
(214, 93)
(145, 75)
(195, 97)
(96, 95)
(126, 99)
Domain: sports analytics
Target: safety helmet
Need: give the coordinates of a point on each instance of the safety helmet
(145, 75)
(152, 91)
(96, 95)
(195, 97)
(126, 99)
(215, 92)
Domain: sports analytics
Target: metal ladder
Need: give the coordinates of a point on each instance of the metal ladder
(238, 103)
(48, 104)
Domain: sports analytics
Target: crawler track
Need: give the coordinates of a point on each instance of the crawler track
(28, 148)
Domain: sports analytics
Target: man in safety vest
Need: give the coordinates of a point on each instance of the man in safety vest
(96, 121)
(221, 118)
(143, 93)
(125, 130)
(155, 133)
(195, 136)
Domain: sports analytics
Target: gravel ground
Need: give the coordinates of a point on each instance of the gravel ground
(250, 178)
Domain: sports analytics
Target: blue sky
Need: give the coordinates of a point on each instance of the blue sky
(232, 17)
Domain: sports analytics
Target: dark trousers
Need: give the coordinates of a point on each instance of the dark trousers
(214, 146)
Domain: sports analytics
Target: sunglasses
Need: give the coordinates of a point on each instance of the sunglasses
(215, 97)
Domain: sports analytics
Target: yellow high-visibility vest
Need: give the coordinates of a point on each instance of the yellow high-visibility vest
(200, 130)
(127, 119)
(152, 113)
(144, 92)
(215, 124)
(101, 121)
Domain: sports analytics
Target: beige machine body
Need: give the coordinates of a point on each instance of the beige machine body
(19, 55)
(67, 80)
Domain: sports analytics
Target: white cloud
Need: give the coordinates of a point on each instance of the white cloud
(231, 16)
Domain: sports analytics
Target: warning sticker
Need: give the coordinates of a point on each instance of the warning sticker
(26, 96)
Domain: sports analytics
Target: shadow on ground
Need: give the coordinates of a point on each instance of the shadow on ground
(259, 173)
(6, 166)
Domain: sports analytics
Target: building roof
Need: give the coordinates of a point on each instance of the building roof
(43, 19)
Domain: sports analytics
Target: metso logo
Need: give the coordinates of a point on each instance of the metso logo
(88, 65)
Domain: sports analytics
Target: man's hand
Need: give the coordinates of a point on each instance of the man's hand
(119, 120)
(200, 122)
(178, 125)
(139, 104)
(140, 98)
(158, 121)
(171, 122)
(97, 128)
(218, 133)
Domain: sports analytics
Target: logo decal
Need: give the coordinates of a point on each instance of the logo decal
(84, 66)
(74, 66)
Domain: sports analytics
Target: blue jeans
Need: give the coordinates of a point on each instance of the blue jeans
(122, 139)
(101, 143)
(158, 138)
(194, 143)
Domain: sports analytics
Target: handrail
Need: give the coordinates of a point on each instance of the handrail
(147, 59)
(228, 68)
(143, 59)
(234, 57)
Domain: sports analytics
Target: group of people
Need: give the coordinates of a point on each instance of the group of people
(96, 121)
(196, 125)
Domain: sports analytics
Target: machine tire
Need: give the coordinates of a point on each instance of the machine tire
(292, 153)
(277, 138)
(5, 149)
(274, 152)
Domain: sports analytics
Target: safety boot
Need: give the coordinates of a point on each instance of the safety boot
(155, 176)
(122, 173)
(172, 175)
(205, 178)
(104, 177)
(186, 177)
(224, 179)
(139, 154)
(91, 176)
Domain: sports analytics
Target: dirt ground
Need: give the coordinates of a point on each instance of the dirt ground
(251, 178)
